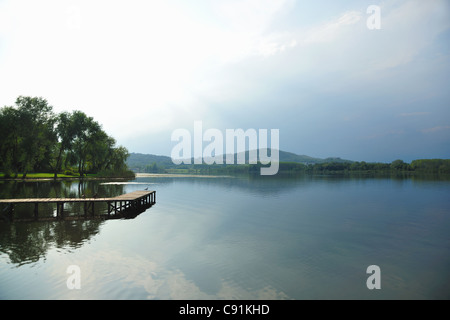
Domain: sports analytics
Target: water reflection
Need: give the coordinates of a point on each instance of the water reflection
(29, 242)
(247, 237)
(58, 189)
(150, 279)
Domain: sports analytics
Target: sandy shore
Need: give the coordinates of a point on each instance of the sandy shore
(175, 175)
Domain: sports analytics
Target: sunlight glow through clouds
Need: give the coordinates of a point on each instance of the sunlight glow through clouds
(328, 31)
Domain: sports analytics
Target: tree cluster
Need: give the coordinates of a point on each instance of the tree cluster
(33, 138)
(431, 165)
(440, 166)
(436, 166)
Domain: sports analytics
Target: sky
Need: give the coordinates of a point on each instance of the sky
(314, 70)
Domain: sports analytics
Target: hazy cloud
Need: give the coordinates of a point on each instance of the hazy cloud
(414, 114)
(435, 129)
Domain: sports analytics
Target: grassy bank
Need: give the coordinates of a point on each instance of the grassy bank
(43, 175)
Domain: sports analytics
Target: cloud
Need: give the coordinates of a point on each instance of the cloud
(388, 133)
(435, 129)
(115, 269)
(414, 114)
(329, 31)
(143, 69)
(408, 29)
(245, 31)
(252, 17)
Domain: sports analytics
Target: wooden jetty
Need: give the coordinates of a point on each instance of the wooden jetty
(124, 206)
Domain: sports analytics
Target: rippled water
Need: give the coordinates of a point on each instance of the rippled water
(309, 237)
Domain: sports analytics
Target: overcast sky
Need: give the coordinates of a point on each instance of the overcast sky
(312, 69)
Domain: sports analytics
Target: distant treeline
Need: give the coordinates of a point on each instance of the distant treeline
(424, 166)
(435, 166)
(35, 139)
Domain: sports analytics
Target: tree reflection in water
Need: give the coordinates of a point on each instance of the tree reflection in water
(29, 242)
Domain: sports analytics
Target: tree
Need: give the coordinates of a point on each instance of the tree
(399, 165)
(65, 131)
(9, 140)
(98, 150)
(33, 138)
(36, 128)
(85, 129)
(27, 134)
(119, 158)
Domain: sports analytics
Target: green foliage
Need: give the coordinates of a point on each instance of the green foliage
(26, 135)
(399, 165)
(161, 164)
(431, 165)
(109, 173)
(34, 139)
(69, 173)
(154, 168)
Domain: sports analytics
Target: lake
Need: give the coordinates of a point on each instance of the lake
(305, 237)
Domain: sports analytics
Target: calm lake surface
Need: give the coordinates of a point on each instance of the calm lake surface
(309, 237)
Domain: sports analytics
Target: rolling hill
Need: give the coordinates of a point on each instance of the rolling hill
(138, 161)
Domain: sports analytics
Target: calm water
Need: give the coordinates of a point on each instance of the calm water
(311, 237)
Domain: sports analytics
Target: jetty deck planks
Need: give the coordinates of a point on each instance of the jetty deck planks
(121, 205)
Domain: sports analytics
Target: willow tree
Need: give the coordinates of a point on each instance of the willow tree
(29, 135)
(33, 138)
(9, 140)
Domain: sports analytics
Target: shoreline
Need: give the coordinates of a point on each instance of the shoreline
(368, 173)
(137, 175)
(179, 175)
(32, 179)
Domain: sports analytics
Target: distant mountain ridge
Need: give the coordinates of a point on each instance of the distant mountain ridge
(140, 160)
(292, 157)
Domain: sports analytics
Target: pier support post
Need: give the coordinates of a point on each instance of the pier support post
(61, 210)
(36, 211)
(11, 212)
